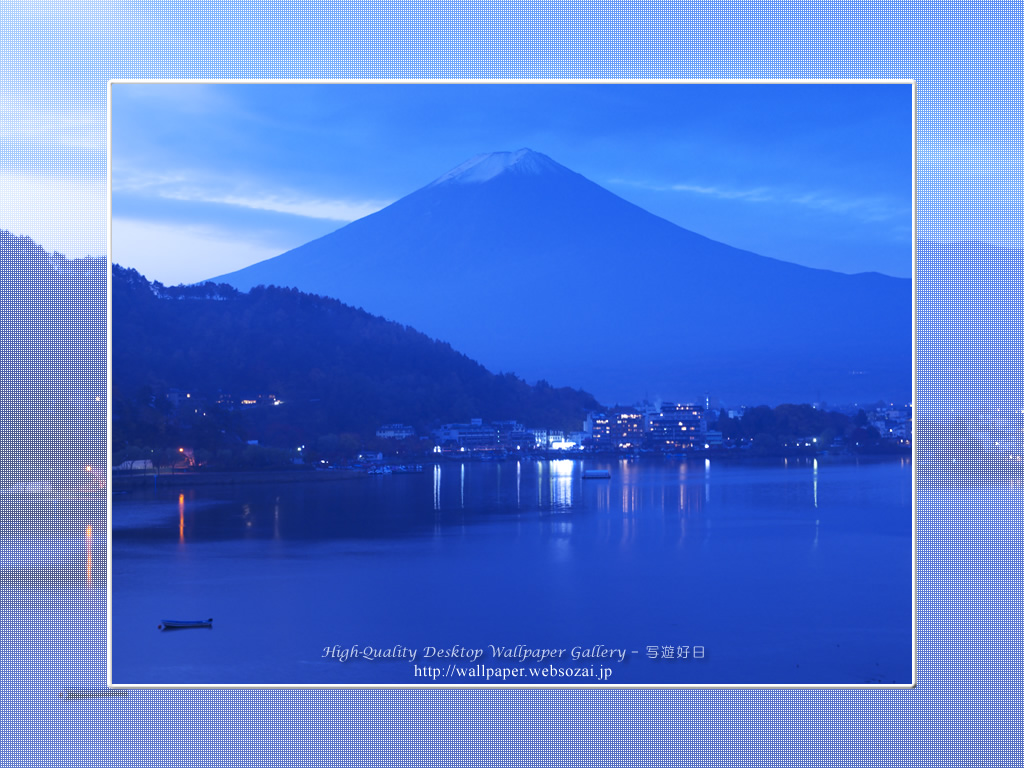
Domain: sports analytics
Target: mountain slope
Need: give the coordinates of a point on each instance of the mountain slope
(53, 354)
(336, 369)
(527, 266)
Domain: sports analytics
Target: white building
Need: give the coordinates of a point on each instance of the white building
(396, 432)
(473, 435)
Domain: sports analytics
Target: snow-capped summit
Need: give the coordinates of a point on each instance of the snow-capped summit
(489, 165)
(525, 265)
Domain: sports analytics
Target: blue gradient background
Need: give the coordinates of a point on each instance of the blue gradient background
(55, 60)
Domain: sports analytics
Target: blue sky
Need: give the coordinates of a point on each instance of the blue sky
(208, 178)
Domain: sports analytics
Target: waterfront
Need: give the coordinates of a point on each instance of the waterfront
(782, 571)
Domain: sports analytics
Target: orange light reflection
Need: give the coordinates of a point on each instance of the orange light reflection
(88, 555)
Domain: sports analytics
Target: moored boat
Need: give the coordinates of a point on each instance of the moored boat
(178, 624)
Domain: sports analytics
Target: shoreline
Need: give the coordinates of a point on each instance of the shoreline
(239, 477)
(250, 477)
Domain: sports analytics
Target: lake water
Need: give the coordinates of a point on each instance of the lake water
(780, 572)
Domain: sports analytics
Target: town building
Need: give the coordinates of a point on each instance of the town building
(621, 431)
(588, 423)
(677, 428)
(476, 434)
(396, 432)
(540, 438)
(511, 434)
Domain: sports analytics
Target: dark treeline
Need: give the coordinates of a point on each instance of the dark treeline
(774, 429)
(53, 405)
(339, 372)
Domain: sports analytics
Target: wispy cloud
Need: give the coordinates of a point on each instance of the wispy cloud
(181, 187)
(314, 208)
(755, 195)
(864, 208)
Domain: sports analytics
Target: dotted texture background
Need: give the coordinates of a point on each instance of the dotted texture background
(55, 59)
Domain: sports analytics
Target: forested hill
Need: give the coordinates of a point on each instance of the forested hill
(334, 368)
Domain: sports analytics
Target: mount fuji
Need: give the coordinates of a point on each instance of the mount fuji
(527, 266)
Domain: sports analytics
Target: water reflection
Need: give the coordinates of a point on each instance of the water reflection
(437, 487)
(643, 552)
(540, 472)
(560, 547)
(815, 476)
(628, 530)
(437, 501)
(649, 498)
(604, 497)
(630, 500)
(561, 483)
(88, 555)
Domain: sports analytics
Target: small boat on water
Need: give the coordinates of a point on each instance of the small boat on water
(176, 624)
(596, 474)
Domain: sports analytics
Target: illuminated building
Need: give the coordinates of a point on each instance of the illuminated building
(677, 428)
(620, 431)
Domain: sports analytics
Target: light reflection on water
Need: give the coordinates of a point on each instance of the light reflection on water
(88, 555)
(815, 476)
(631, 554)
(670, 493)
(437, 487)
(561, 471)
